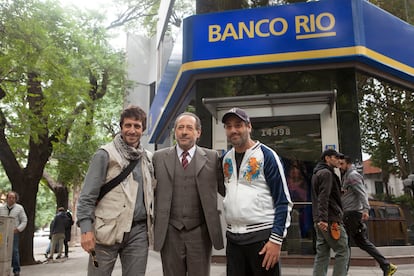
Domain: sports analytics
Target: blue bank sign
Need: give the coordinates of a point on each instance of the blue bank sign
(352, 32)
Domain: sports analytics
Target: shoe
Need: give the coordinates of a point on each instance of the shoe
(17, 274)
(58, 257)
(392, 268)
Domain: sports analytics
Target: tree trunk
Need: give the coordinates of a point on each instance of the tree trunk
(59, 189)
(26, 181)
(27, 190)
(385, 179)
(409, 133)
(75, 233)
(62, 196)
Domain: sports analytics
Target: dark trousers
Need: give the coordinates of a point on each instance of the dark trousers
(244, 260)
(357, 231)
(66, 244)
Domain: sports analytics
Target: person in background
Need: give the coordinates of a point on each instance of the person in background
(15, 210)
(120, 223)
(356, 213)
(57, 232)
(68, 233)
(327, 216)
(187, 221)
(257, 202)
(67, 238)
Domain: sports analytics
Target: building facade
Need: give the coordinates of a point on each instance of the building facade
(294, 68)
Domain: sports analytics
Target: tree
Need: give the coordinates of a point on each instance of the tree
(55, 69)
(386, 126)
(403, 9)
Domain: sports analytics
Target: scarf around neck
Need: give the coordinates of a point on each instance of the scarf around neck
(128, 152)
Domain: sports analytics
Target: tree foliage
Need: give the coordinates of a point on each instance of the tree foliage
(57, 76)
(403, 9)
(386, 114)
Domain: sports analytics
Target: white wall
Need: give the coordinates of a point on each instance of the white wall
(143, 70)
(395, 184)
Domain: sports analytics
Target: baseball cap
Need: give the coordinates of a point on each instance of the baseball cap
(330, 152)
(237, 112)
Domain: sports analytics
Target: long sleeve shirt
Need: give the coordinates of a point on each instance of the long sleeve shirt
(17, 212)
(354, 196)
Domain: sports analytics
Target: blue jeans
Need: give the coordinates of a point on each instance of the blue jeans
(324, 244)
(15, 254)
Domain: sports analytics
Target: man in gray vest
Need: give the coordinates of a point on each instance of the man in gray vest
(120, 223)
(187, 221)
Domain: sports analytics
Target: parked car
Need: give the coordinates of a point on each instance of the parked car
(410, 233)
(387, 224)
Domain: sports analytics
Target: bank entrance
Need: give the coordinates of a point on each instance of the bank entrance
(296, 126)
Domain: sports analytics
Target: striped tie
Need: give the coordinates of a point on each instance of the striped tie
(184, 160)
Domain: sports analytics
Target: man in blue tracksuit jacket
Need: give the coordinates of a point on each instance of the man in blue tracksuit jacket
(257, 203)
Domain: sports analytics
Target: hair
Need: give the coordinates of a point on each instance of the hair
(328, 152)
(61, 209)
(136, 113)
(198, 121)
(347, 159)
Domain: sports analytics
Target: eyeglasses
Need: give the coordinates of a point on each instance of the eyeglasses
(95, 262)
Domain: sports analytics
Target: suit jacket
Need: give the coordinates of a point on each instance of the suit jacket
(208, 175)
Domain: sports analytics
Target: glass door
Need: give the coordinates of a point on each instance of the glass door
(297, 140)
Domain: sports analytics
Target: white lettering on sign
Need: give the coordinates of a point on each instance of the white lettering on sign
(306, 27)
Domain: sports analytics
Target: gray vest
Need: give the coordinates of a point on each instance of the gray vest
(186, 210)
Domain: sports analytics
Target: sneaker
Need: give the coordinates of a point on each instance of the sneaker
(392, 268)
(58, 257)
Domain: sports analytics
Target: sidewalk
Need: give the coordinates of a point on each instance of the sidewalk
(78, 259)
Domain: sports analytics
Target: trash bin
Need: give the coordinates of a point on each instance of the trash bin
(6, 244)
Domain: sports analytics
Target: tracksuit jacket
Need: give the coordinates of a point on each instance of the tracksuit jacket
(258, 198)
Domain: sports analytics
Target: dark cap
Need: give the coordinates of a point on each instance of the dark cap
(330, 152)
(237, 112)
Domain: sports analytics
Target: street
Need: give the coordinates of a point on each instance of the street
(77, 262)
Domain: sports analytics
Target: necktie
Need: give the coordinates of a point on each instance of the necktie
(184, 160)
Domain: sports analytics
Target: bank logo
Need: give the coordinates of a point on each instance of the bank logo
(306, 27)
(314, 26)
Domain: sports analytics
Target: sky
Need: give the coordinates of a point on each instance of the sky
(119, 41)
(87, 4)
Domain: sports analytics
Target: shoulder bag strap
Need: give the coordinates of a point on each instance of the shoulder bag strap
(115, 181)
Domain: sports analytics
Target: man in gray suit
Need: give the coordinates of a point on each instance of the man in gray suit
(187, 221)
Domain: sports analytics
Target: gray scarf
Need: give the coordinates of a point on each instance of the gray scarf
(147, 170)
(126, 151)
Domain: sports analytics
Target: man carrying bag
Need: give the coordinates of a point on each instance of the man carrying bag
(115, 219)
